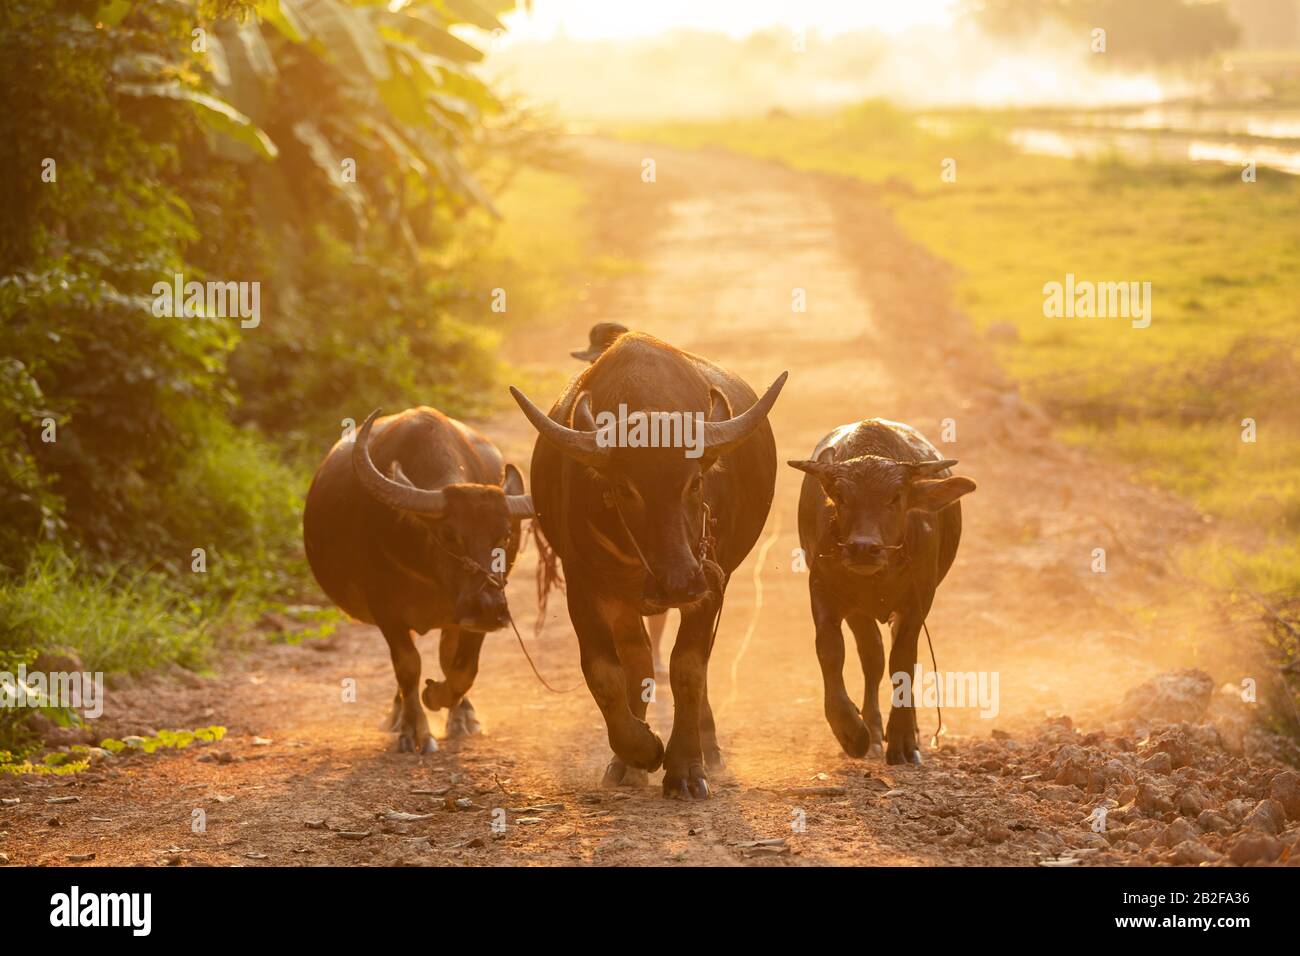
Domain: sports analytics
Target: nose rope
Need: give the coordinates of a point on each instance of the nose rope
(498, 581)
(938, 708)
(529, 657)
(704, 549)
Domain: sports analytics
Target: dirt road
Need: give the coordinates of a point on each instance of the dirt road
(725, 244)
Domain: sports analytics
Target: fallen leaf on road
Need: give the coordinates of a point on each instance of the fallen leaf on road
(752, 844)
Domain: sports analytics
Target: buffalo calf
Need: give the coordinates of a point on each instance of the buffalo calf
(879, 523)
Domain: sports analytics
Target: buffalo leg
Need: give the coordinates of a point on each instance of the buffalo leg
(413, 734)
(713, 761)
(630, 737)
(636, 657)
(902, 736)
(458, 653)
(844, 718)
(684, 773)
(393, 722)
(871, 652)
(655, 625)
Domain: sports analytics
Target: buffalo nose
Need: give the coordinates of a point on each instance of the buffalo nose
(484, 611)
(865, 553)
(675, 590)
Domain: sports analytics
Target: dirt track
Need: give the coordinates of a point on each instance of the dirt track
(724, 242)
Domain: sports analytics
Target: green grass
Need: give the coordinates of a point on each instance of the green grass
(1221, 256)
(115, 622)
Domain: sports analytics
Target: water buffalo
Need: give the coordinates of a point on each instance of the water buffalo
(879, 523)
(641, 529)
(601, 336)
(412, 526)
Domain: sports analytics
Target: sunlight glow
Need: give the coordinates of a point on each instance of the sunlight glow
(626, 19)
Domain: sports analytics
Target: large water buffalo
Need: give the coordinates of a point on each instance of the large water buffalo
(641, 529)
(601, 336)
(411, 526)
(879, 523)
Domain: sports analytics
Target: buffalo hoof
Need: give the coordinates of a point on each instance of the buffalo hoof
(646, 753)
(903, 756)
(410, 744)
(848, 727)
(463, 721)
(619, 774)
(713, 761)
(875, 752)
(435, 695)
(691, 785)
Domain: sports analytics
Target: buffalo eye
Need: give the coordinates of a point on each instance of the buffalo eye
(696, 483)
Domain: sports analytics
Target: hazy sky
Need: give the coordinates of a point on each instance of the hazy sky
(603, 19)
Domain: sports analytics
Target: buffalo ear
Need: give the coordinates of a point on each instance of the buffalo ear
(719, 407)
(395, 472)
(937, 494)
(513, 483)
(816, 468)
(583, 419)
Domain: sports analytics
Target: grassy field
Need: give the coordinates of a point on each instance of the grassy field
(1221, 255)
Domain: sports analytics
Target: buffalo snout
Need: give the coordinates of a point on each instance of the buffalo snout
(864, 555)
(482, 610)
(677, 588)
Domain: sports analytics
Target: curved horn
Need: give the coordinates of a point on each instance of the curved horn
(520, 506)
(721, 437)
(394, 494)
(924, 469)
(579, 445)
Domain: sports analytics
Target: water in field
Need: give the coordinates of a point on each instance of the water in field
(1172, 134)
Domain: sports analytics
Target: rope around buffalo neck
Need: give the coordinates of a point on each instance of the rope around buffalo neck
(498, 581)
